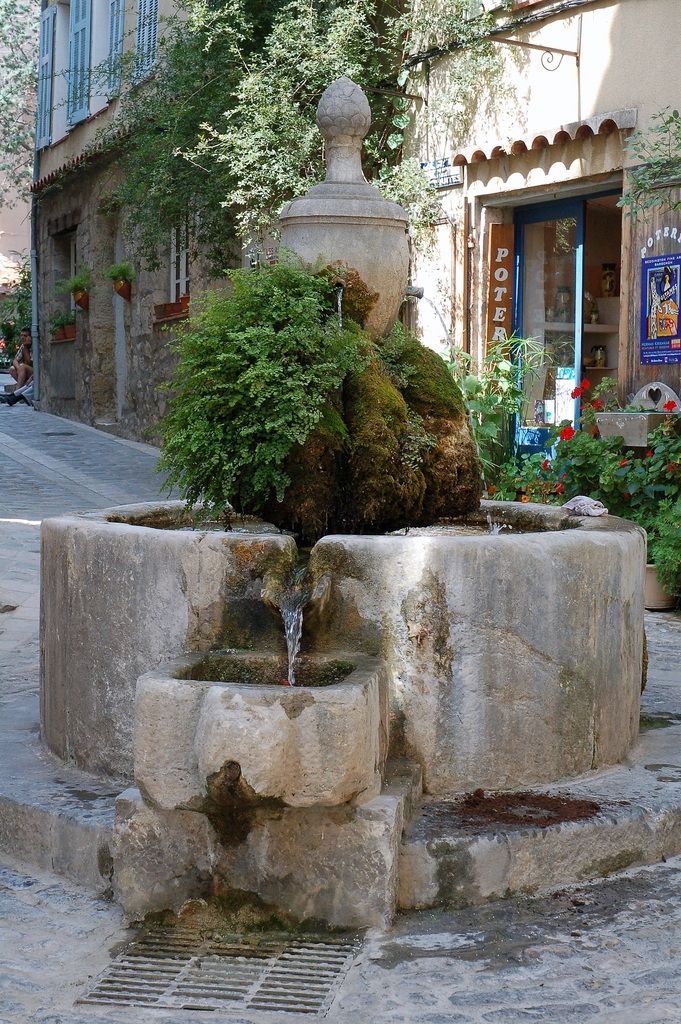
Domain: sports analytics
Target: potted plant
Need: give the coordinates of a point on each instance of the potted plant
(79, 285)
(122, 276)
(663, 571)
(63, 325)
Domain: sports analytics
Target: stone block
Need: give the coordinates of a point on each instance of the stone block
(303, 745)
(336, 866)
(161, 859)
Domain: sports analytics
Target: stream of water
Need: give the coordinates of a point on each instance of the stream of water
(292, 602)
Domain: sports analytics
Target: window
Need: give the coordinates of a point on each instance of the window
(147, 27)
(79, 61)
(116, 23)
(179, 264)
(45, 71)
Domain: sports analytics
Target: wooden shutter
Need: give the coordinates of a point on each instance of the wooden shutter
(45, 71)
(79, 61)
(116, 24)
(147, 26)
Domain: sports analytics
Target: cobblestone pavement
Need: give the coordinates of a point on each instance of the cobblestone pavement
(607, 952)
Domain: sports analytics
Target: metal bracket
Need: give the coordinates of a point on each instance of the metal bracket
(548, 60)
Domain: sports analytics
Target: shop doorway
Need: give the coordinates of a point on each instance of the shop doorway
(567, 299)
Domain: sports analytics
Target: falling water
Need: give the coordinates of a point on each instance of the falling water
(291, 604)
(496, 528)
(338, 288)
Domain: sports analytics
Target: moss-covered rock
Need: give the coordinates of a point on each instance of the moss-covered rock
(384, 490)
(312, 502)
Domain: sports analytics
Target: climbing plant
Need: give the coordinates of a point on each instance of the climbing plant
(223, 133)
(655, 179)
(19, 24)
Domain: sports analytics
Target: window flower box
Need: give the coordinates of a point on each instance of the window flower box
(632, 427)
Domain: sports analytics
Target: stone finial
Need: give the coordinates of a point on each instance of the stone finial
(344, 118)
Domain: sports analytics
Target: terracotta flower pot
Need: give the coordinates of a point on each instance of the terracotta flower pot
(69, 332)
(81, 298)
(184, 301)
(60, 334)
(123, 287)
(656, 599)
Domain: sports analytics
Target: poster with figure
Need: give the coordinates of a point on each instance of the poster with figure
(660, 328)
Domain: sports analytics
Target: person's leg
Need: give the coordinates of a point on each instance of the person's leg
(13, 372)
(24, 373)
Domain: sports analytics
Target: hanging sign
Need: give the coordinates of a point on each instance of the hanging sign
(660, 327)
(500, 289)
(442, 173)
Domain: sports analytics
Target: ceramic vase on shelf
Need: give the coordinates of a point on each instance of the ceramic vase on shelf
(608, 280)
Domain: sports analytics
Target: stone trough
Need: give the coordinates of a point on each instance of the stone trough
(321, 744)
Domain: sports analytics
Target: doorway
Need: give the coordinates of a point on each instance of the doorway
(567, 300)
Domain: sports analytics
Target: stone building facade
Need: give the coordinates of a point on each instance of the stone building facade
(109, 374)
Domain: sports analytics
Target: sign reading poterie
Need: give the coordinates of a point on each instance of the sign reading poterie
(500, 294)
(660, 327)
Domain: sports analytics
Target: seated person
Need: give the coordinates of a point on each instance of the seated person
(22, 367)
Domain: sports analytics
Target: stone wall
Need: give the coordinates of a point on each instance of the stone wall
(109, 375)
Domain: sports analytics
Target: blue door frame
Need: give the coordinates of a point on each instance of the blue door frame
(532, 439)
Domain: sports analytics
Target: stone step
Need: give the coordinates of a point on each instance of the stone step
(445, 863)
(52, 817)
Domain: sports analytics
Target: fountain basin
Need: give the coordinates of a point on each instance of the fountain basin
(516, 659)
(125, 589)
(204, 721)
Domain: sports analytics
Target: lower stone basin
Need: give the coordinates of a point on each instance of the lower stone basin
(206, 722)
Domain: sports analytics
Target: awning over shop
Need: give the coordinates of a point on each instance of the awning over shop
(599, 124)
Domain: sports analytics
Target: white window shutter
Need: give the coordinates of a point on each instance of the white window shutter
(116, 24)
(45, 72)
(79, 61)
(147, 29)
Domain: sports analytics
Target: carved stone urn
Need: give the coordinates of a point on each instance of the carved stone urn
(346, 220)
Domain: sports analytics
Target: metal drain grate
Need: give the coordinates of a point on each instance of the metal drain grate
(176, 969)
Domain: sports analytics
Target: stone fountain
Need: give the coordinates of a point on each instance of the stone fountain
(434, 661)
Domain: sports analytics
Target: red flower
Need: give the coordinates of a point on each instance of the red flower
(594, 431)
(546, 465)
(672, 467)
(624, 462)
(576, 393)
(524, 498)
(598, 404)
(650, 454)
(567, 433)
(626, 494)
(559, 488)
(585, 384)
(669, 406)
(491, 490)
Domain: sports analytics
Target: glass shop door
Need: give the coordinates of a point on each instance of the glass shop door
(549, 289)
